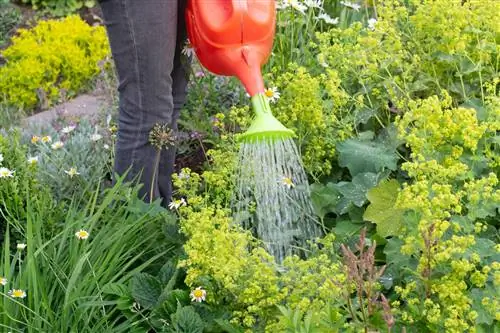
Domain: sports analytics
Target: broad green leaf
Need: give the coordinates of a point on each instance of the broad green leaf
(355, 191)
(392, 251)
(477, 295)
(146, 289)
(324, 198)
(167, 271)
(485, 248)
(170, 299)
(389, 137)
(366, 156)
(381, 210)
(118, 289)
(186, 320)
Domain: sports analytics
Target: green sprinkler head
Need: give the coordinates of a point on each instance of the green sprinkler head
(265, 126)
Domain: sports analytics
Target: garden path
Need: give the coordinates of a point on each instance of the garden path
(84, 106)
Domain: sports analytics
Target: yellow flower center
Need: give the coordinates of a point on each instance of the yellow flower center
(35, 139)
(269, 93)
(82, 234)
(17, 293)
(198, 293)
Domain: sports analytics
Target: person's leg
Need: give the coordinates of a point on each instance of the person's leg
(180, 78)
(143, 38)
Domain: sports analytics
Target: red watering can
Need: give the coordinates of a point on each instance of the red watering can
(233, 37)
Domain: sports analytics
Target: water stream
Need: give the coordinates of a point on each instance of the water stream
(272, 196)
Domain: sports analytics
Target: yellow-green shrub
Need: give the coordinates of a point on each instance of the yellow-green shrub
(316, 109)
(236, 271)
(54, 55)
(453, 192)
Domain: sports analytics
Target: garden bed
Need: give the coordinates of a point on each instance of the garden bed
(396, 108)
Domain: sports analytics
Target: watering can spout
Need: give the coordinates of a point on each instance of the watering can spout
(251, 75)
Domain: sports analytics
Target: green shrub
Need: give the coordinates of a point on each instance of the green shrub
(55, 57)
(60, 7)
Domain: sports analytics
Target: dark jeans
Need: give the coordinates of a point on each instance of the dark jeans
(147, 37)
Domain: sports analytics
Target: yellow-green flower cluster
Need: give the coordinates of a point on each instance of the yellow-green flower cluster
(55, 55)
(317, 119)
(444, 143)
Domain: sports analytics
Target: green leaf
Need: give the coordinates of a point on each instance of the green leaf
(381, 210)
(324, 198)
(355, 191)
(186, 320)
(477, 295)
(171, 298)
(146, 289)
(118, 289)
(392, 251)
(485, 248)
(167, 271)
(366, 156)
(226, 326)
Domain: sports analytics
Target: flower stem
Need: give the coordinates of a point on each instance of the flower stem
(157, 163)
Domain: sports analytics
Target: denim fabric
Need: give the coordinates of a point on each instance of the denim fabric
(147, 37)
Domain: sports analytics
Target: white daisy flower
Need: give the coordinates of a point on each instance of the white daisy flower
(57, 145)
(21, 246)
(17, 293)
(198, 295)
(33, 160)
(272, 94)
(68, 129)
(105, 146)
(3, 281)
(82, 234)
(351, 5)
(371, 23)
(95, 137)
(314, 3)
(188, 50)
(6, 173)
(176, 204)
(72, 172)
(1, 158)
(287, 182)
(327, 18)
(295, 4)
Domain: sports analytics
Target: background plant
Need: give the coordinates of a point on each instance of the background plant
(57, 58)
(86, 148)
(9, 17)
(60, 7)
